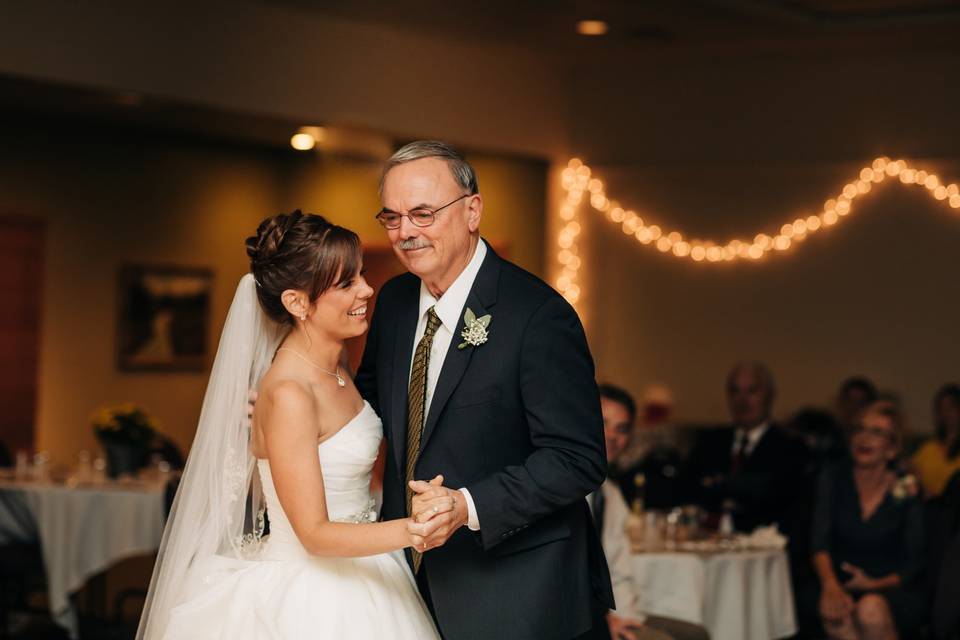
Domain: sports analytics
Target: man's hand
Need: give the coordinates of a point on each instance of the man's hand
(439, 510)
(623, 628)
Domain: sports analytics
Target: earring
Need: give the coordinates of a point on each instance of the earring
(303, 317)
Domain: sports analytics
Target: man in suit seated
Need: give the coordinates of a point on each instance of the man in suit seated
(610, 513)
(753, 469)
(650, 449)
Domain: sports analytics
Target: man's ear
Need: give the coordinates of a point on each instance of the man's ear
(474, 212)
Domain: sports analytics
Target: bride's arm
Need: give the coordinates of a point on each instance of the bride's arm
(291, 441)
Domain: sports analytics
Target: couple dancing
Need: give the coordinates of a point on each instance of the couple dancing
(481, 376)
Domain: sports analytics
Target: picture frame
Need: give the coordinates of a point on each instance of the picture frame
(163, 318)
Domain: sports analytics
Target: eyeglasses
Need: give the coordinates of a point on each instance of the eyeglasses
(419, 217)
(874, 432)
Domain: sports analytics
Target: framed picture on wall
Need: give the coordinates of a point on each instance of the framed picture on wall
(163, 318)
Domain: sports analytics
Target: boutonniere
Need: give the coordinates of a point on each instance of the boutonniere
(904, 487)
(474, 333)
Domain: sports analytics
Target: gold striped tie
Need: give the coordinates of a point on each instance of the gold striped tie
(416, 402)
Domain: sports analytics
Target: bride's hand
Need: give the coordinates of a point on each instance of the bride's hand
(435, 500)
(415, 535)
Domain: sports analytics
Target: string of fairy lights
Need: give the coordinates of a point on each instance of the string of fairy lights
(579, 183)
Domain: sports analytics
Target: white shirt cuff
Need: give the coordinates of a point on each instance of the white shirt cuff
(473, 523)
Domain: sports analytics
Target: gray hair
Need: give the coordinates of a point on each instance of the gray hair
(462, 172)
(758, 370)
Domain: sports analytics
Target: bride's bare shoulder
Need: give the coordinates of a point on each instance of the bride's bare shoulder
(287, 403)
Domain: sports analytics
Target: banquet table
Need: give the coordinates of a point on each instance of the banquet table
(81, 530)
(736, 595)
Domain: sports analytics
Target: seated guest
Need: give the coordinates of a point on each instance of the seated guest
(610, 513)
(821, 433)
(648, 451)
(754, 469)
(868, 537)
(855, 394)
(939, 457)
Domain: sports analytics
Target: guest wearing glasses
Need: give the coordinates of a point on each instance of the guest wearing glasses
(939, 457)
(610, 512)
(868, 537)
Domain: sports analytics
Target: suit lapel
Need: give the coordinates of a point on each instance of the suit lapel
(483, 295)
(400, 376)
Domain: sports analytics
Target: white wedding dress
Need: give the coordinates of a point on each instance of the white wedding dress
(281, 592)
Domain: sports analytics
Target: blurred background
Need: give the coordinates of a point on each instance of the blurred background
(141, 143)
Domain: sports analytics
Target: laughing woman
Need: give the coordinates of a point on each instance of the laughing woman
(868, 537)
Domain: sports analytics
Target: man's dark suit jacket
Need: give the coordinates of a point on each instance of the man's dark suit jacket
(768, 488)
(517, 422)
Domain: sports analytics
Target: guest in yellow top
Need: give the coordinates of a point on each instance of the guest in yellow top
(939, 457)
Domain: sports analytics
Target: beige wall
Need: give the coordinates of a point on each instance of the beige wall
(110, 199)
(875, 295)
(722, 145)
(296, 64)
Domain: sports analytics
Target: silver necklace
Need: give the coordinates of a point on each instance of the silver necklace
(336, 374)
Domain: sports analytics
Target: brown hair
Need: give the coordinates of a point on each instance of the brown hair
(303, 252)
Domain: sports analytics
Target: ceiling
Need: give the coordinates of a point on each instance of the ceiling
(736, 26)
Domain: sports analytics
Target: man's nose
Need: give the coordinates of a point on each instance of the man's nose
(407, 229)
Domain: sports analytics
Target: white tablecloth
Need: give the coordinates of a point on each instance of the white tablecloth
(742, 595)
(82, 531)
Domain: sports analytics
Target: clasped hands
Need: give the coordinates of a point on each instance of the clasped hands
(836, 602)
(436, 512)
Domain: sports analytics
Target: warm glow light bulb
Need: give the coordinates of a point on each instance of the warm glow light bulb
(575, 163)
(813, 223)
(830, 218)
(302, 141)
(592, 27)
(955, 201)
(664, 244)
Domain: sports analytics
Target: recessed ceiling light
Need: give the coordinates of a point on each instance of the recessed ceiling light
(592, 27)
(302, 141)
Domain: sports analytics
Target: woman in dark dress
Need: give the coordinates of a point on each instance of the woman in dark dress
(868, 537)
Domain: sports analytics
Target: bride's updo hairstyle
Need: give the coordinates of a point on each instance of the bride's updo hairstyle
(303, 252)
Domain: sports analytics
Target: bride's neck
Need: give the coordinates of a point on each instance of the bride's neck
(321, 350)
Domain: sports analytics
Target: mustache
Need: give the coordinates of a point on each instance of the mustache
(413, 243)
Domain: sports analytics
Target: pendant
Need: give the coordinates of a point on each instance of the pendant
(341, 382)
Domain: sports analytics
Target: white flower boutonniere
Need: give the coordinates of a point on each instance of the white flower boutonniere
(904, 487)
(475, 333)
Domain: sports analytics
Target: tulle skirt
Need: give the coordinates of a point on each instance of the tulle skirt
(371, 598)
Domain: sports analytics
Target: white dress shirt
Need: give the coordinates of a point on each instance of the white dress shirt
(448, 309)
(753, 437)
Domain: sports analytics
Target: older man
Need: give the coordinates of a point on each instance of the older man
(753, 468)
(482, 375)
(610, 512)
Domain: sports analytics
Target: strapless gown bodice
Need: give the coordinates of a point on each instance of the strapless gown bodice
(346, 459)
(285, 593)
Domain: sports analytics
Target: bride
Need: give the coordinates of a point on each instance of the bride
(327, 569)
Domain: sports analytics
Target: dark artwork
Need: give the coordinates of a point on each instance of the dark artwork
(163, 318)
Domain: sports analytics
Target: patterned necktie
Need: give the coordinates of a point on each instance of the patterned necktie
(739, 454)
(416, 402)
